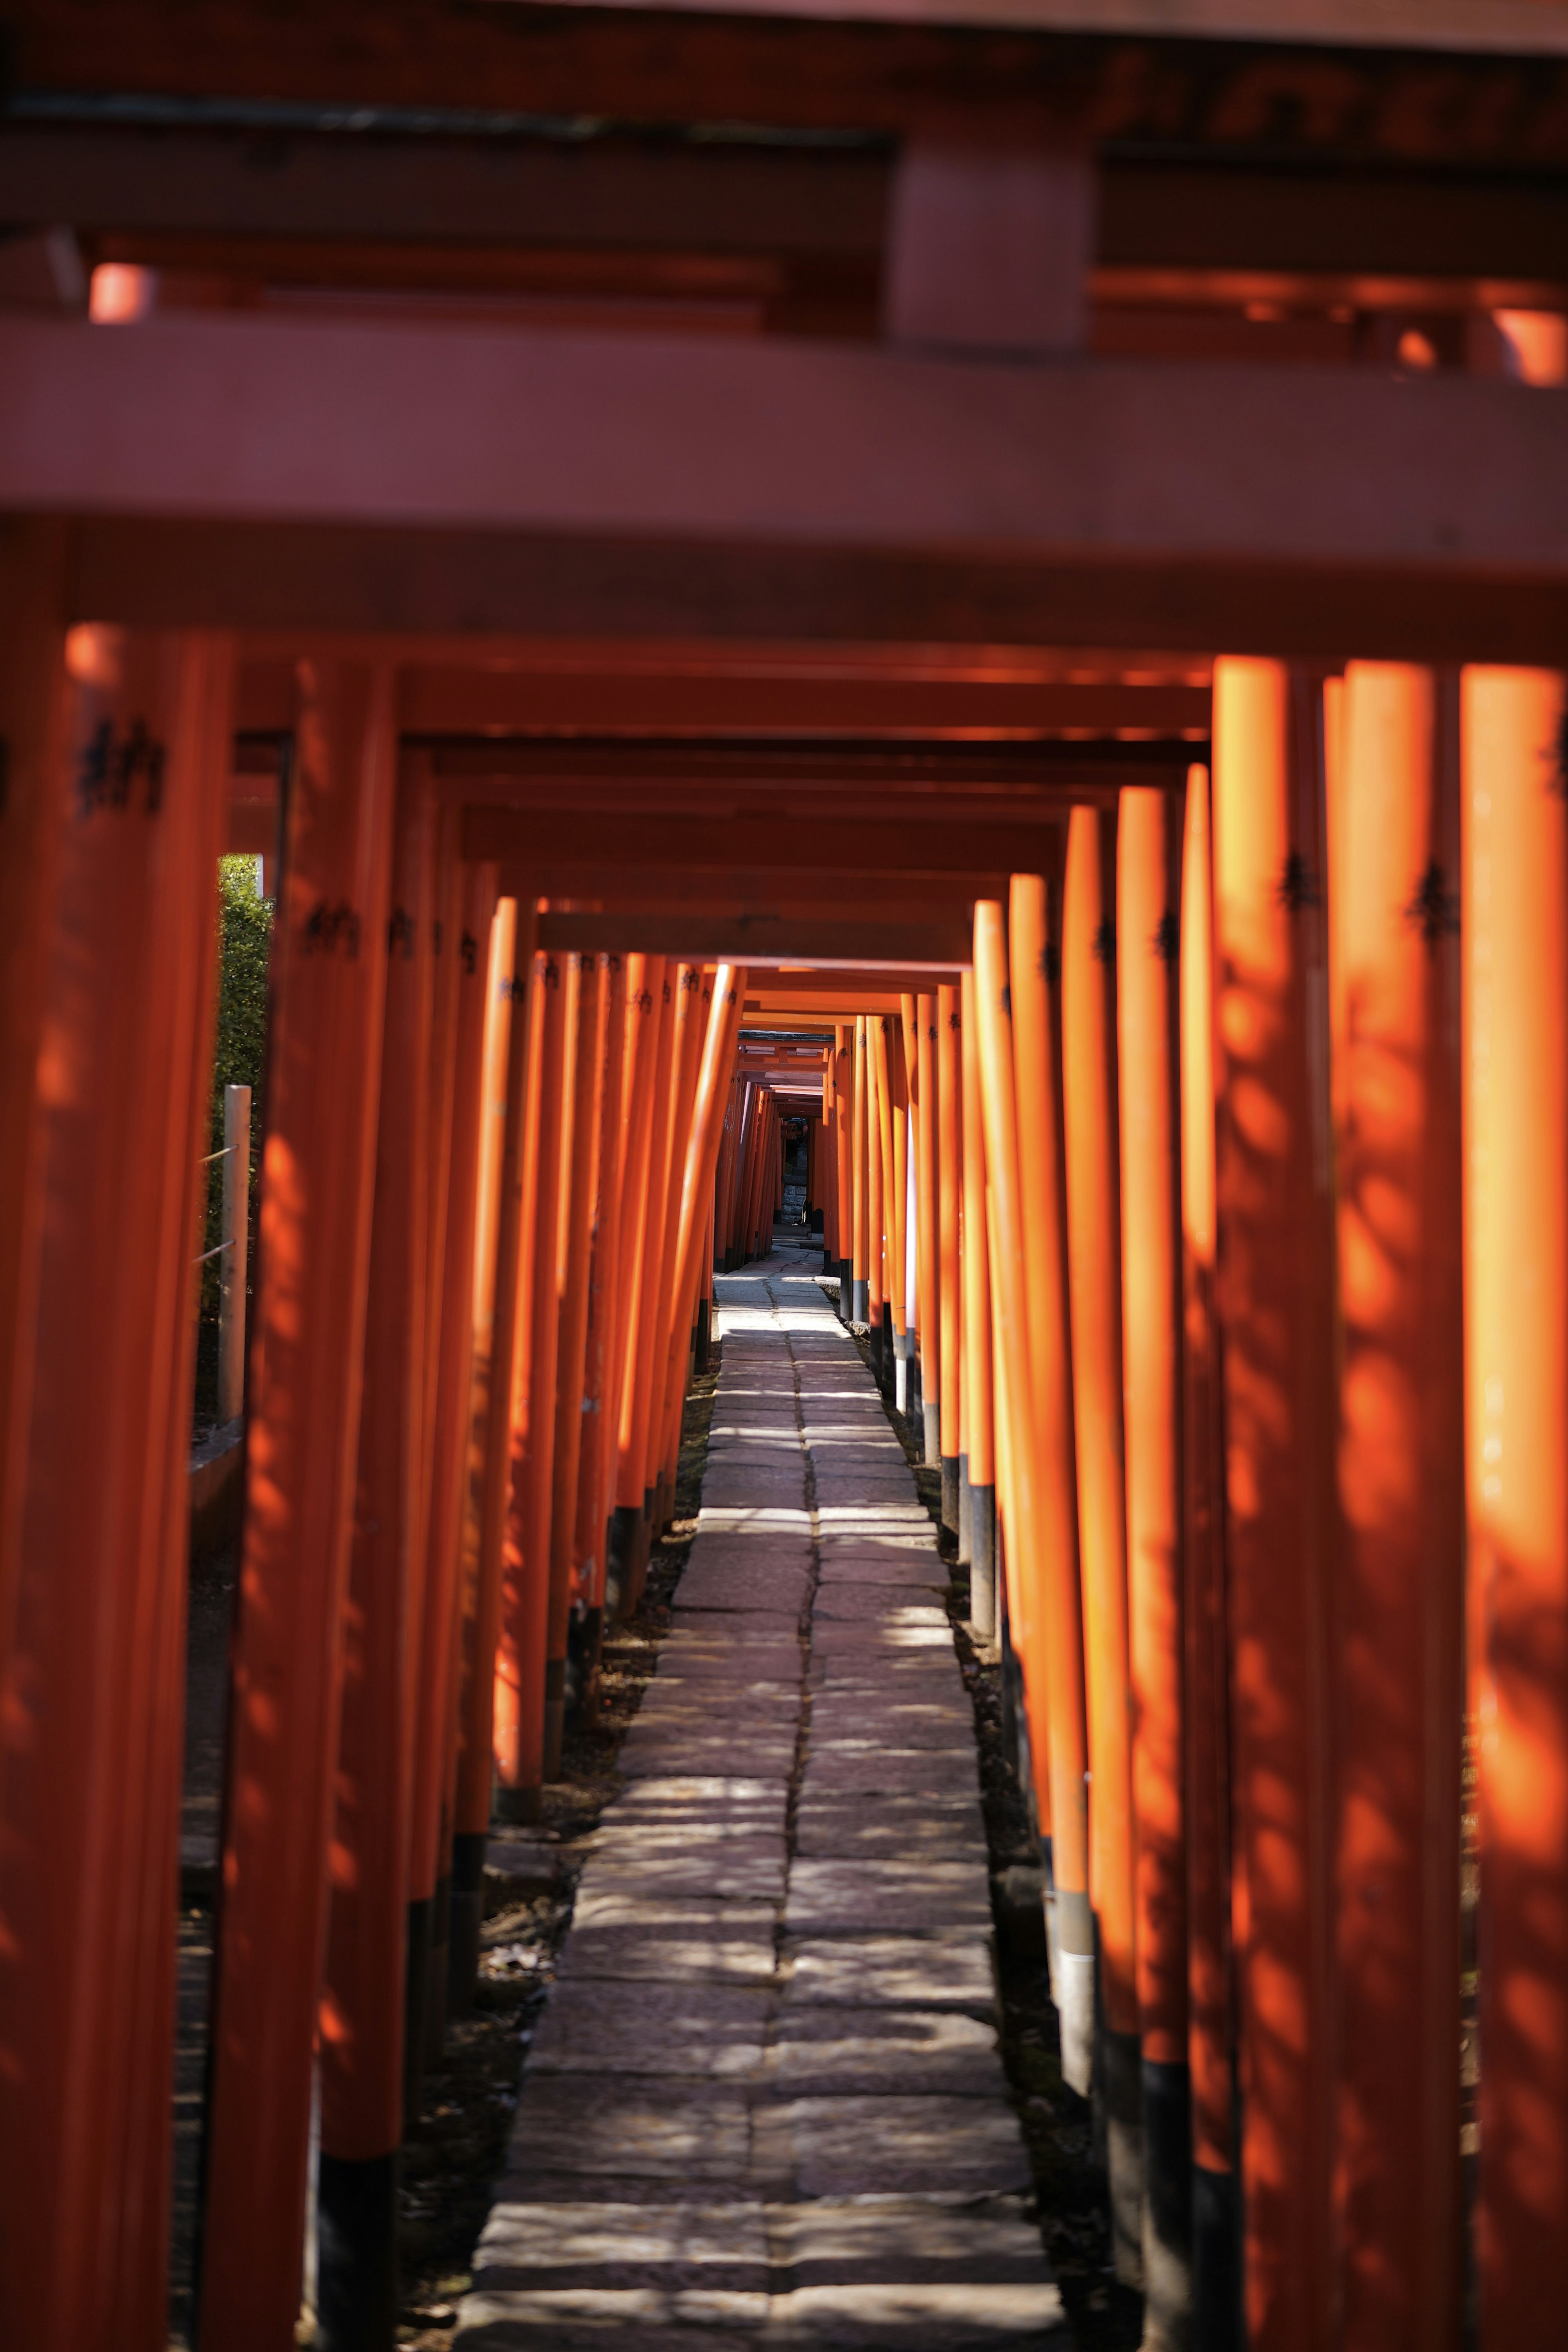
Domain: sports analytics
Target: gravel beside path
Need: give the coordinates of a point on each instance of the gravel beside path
(765, 2105)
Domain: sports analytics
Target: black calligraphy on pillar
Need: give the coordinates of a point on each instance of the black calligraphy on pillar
(331, 930)
(112, 766)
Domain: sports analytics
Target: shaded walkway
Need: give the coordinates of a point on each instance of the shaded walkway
(765, 2103)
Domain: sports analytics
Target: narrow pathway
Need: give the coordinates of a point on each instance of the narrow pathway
(766, 2106)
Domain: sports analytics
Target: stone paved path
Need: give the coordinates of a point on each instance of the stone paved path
(765, 2105)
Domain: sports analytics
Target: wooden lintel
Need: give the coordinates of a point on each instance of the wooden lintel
(594, 483)
(942, 943)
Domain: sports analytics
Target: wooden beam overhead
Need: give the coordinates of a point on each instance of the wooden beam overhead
(1297, 75)
(938, 943)
(872, 493)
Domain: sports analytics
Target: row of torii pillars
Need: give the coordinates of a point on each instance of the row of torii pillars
(1264, 1121)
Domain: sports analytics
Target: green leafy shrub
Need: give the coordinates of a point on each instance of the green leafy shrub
(239, 1059)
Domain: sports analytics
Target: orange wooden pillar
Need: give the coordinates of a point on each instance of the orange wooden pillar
(307, 1356)
(33, 817)
(691, 1200)
(859, 1271)
(431, 1830)
(977, 1340)
(645, 999)
(885, 1061)
(596, 1463)
(579, 1179)
(643, 1332)
(671, 1345)
(843, 1100)
(126, 750)
(927, 1179)
(1094, 1258)
(1051, 1653)
(908, 1030)
(1148, 936)
(1394, 962)
(876, 1213)
(1276, 1319)
(945, 1289)
(372, 1939)
(1515, 935)
(428, 1649)
(494, 1309)
(1210, 2068)
(521, 1650)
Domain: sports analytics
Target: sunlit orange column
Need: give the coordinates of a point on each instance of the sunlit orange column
(579, 1179)
(949, 1305)
(1393, 963)
(927, 1179)
(596, 1467)
(329, 976)
(121, 1018)
(977, 1340)
(1043, 1452)
(519, 1727)
(640, 1348)
(1515, 982)
(668, 1371)
(371, 1936)
(1148, 936)
(431, 1832)
(1215, 2219)
(875, 1211)
(884, 1059)
(842, 1104)
(496, 1214)
(645, 1001)
(1094, 1258)
(1276, 1300)
(860, 1240)
(899, 1104)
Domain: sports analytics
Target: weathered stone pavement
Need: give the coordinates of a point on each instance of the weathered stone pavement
(764, 2107)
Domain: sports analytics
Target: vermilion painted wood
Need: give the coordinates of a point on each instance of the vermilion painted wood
(580, 1184)
(645, 998)
(1394, 942)
(691, 1022)
(1276, 1299)
(318, 1175)
(875, 1248)
(1094, 1260)
(597, 1469)
(1148, 936)
(977, 1331)
(861, 1246)
(948, 1060)
(429, 1645)
(525, 1580)
(694, 1208)
(928, 1167)
(498, 1217)
(1209, 2034)
(120, 1111)
(32, 820)
(1515, 918)
(909, 1026)
(458, 1464)
(655, 1178)
(1042, 1418)
(361, 2027)
(892, 1198)
(843, 1105)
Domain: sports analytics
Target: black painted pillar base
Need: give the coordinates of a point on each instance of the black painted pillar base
(862, 1311)
(915, 1412)
(356, 2253)
(519, 1806)
(436, 1974)
(1167, 2206)
(554, 1715)
(620, 1553)
(874, 1350)
(931, 1416)
(889, 1343)
(1120, 2096)
(467, 1919)
(983, 1566)
(965, 1513)
(415, 1990)
(584, 1634)
(949, 1492)
(1216, 2263)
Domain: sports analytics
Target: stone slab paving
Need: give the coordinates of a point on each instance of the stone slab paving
(765, 2105)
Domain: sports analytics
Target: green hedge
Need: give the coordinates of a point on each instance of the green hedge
(239, 1059)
